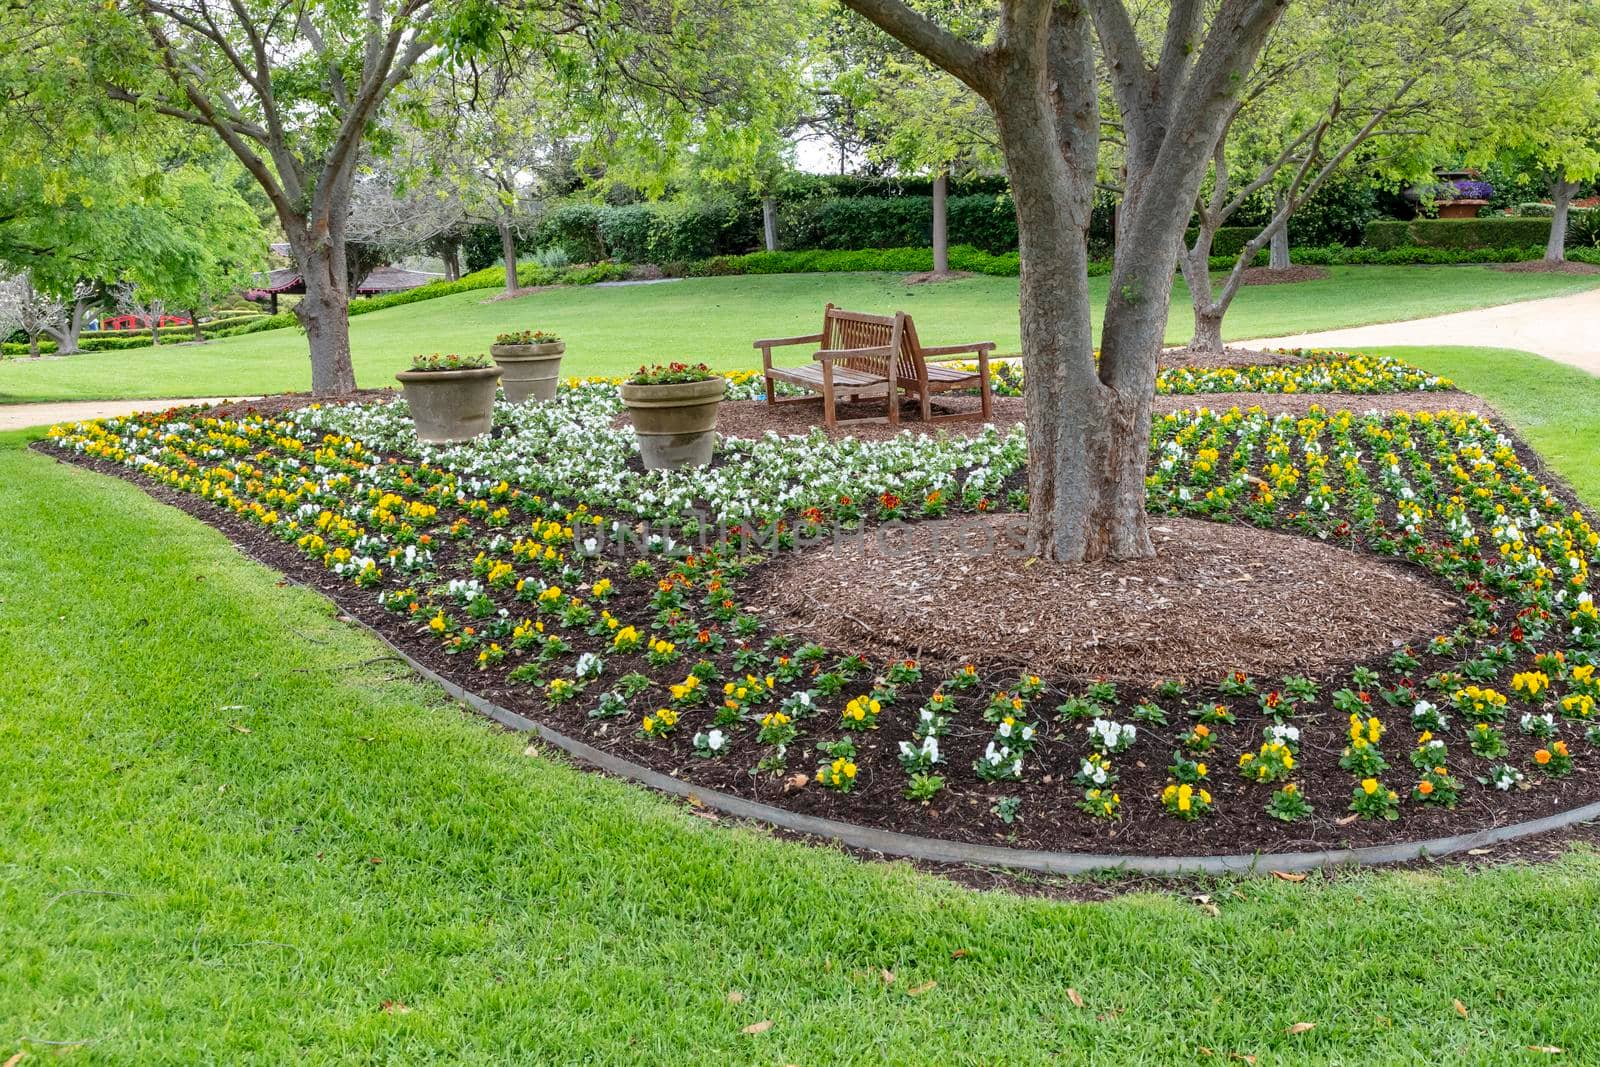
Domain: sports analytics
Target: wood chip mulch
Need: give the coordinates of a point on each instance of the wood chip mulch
(1283, 275)
(1217, 598)
(1539, 266)
(1187, 358)
(752, 418)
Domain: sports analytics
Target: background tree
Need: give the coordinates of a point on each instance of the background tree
(291, 90)
(30, 310)
(1540, 114)
(1337, 75)
(1088, 421)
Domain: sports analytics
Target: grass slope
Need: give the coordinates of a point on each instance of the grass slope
(232, 833)
(612, 330)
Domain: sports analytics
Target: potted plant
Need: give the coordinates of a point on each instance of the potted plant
(451, 396)
(530, 364)
(1460, 193)
(674, 413)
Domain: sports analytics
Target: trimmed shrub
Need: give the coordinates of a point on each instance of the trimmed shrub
(1462, 234)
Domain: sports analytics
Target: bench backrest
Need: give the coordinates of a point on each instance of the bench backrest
(858, 329)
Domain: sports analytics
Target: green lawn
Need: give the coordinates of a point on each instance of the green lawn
(613, 330)
(230, 834)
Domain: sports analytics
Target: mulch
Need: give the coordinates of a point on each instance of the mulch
(1283, 275)
(753, 418)
(1539, 266)
(1188, 358)
(1217, 598)
(281, 403)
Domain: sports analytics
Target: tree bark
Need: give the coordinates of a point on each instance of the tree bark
(194, 321)
(154, 319)
(1195, 263)
(452, 263)
(67, 335)
(1279, 256)
(33, 344)
(324, 313)
(941, 223)
(769, 223)
(1561, 194)
(508, 252)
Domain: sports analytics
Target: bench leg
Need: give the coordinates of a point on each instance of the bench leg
(829, 418)
(772, 392)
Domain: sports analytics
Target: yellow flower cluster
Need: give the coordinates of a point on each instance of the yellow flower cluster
(862, 710)
(1529, 684)
(840, 774)
(1364, 732)
(659, 724)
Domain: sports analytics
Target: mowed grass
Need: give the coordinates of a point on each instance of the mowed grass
(611, 330)
(232, 832)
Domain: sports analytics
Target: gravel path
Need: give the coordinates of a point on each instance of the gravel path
(1562, 328)
(22, 416)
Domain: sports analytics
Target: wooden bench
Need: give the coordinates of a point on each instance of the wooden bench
(862, 355)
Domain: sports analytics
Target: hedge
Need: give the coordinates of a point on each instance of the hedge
(1461, 234)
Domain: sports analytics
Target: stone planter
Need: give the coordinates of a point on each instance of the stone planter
(1460, 209)
(450, 405)
(675, 424)
(529, 371)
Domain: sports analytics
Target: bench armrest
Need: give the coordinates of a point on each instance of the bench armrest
(980, 347)
(847, 353)
(778, 342)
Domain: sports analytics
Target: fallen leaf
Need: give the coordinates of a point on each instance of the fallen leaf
(735, 997)
(1479, 851)
(1075, 996)
(1204, 1051)
(694, 801)
(1346, 821)
(795, 781)
(1211, 910)
(1289, 876)
(709, 816)
(1300, 1028)
(1244, 1057)
(918, 990)
(531, 750)
(959, 954)
(1549, 1049)
(1461, 1009)
(14, 1060)
(240, 728)
(887, 975)
(758, 1028)
(394, 1007)
(374, 860)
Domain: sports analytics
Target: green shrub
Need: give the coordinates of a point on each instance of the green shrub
(1463, 234)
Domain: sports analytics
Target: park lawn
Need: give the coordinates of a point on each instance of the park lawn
(611, 330)
(232, 830)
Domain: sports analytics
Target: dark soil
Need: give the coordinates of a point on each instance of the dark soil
(1539, 266)
(962, 590)
(964, 810)
(752, 418)
(1283, 275)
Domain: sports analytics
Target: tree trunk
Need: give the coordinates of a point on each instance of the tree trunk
(1279, 256)
(155, 330)
(324, 313)
(33, 345)
(66, 336)
(1561, 194)
(769, 223)
(194, 321)
(508, 252)
(1195, 263)
(452, 263)
(1087, 442)
(941, 223)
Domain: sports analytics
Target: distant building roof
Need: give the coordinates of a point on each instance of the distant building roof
(382, 280)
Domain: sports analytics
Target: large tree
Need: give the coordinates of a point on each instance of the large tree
(1088, 421)
(1378, 81)
(292, 90)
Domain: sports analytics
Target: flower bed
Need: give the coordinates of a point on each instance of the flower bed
(544, 569)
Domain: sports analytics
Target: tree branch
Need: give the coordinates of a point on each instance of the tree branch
(955, 54)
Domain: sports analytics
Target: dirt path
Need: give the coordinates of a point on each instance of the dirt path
(1562, 328)
(22, 416)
